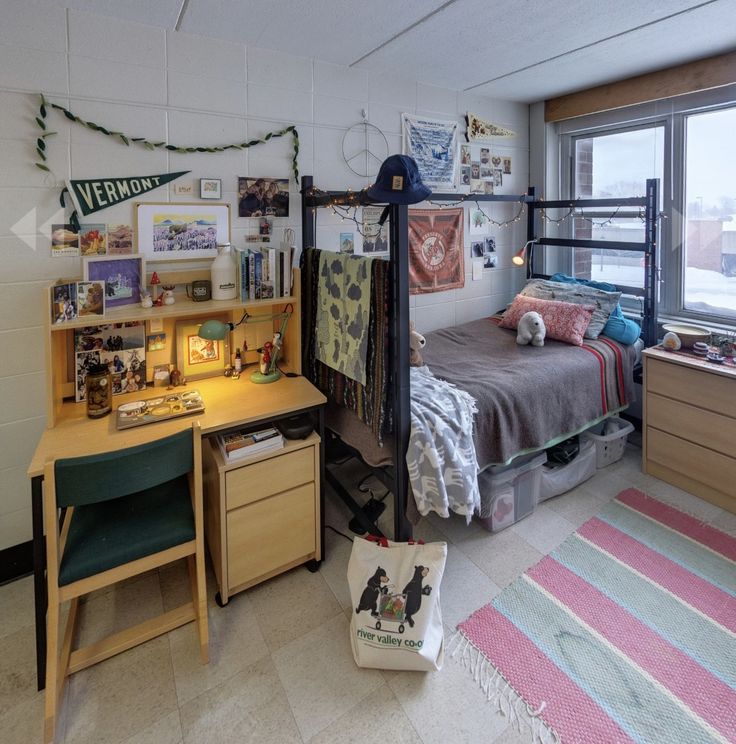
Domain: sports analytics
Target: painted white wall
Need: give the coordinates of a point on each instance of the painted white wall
(192, 91)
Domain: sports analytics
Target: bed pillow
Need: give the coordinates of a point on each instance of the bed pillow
(622, 329)
(604, 302)
(565, 321)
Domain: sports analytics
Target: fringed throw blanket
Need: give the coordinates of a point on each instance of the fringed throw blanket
(370, 402)
(443, 469)
(343, 306)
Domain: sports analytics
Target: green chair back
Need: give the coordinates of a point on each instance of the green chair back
(96, 478)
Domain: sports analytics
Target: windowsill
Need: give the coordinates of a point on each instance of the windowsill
(712, 325)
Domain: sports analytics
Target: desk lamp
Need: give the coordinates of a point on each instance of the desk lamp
(519, 258)
(216, 330)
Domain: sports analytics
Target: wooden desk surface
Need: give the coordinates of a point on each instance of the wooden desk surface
(228, 403)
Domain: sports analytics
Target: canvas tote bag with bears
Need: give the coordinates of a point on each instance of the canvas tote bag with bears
(395, 589)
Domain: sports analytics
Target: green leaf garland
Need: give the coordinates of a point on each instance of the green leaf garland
(128, 141)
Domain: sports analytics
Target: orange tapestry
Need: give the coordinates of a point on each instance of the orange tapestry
(436, 253)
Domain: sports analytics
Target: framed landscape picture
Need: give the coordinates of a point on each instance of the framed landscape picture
(124, 278)
(198, 357)
(181, 231)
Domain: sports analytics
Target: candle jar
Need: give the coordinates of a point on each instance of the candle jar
(99, 391)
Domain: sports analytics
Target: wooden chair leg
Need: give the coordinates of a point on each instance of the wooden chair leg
(195, 563)
(52, 671)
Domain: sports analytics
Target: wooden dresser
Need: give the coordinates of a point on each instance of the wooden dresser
(690, 425)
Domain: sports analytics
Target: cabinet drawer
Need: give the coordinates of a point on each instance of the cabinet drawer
(705, 428)
(703, 389)
(270, 533)
(691, 460)
(267, 477)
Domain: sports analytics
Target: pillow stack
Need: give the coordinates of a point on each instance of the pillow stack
(573, 310)
(603, 302)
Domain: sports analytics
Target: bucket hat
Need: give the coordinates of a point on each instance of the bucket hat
(398, 182)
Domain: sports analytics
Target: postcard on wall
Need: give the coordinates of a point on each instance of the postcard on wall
(181, 231)
(64, 241)
(433, 144)
(93, 240)
(375, 235)
(119, 239)
(347, 242)
(259, 197)
(120, 346)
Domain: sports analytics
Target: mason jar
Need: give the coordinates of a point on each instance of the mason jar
(99, 390)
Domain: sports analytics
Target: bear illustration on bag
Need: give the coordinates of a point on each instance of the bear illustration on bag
(414, 591)
(376, 586)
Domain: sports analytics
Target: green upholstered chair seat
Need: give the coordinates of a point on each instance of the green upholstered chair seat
(110, 533)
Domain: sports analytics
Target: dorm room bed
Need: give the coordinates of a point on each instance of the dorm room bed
(528, 398)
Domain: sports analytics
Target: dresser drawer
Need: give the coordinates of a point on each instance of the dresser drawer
(267, 477)
(704, 389)
(705, 428)
(697, 463)
(264, 536)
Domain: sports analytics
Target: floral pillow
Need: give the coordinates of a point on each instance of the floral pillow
(564, 321)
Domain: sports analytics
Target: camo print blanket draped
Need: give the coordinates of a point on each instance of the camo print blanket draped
(343, 307)
(443, 469)
(370, 402)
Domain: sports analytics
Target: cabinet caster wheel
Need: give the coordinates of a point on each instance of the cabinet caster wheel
(218, 600)
(313, 565)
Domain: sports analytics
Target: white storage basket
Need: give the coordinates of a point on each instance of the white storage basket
(611, 443)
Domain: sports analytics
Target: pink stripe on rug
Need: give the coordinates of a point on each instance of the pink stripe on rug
(569, 710)
(707, 696)
(697, 592)
(686, 525)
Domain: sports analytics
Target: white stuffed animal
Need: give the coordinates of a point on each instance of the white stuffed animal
(531, 330)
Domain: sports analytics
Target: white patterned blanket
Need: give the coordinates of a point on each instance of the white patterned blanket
(443, 469)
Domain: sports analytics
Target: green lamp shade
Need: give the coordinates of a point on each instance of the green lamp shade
(214, 330)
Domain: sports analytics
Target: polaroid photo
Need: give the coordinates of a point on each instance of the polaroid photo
(464, 154)
(475, 170)
(497, 177)
(465, 175)
(476, 249)
(485, 156)
(507, 166)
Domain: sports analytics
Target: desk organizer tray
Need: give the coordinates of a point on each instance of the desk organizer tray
(160, 408)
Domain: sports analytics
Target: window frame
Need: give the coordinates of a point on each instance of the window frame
(672, 114)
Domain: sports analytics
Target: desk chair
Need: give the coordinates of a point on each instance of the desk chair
(127, 512)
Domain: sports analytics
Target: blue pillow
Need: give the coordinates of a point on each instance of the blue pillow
(619, 328)
(605, 286)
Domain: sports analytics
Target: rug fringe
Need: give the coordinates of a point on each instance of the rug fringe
(499, 691)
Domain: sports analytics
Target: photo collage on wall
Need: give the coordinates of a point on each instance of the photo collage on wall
(121, 346)
(482, 170)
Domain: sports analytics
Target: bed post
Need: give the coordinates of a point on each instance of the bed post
(401, 391)
(530, 224)
(650, 252)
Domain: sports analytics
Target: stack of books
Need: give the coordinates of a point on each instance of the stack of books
(263, 273)
(246, 444)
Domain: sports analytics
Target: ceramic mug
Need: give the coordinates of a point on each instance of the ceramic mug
(201, 290)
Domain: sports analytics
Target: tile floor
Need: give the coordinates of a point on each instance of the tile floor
(281, 669)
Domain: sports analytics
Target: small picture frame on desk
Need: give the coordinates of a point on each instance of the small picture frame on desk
(124, 278)
(197, 357)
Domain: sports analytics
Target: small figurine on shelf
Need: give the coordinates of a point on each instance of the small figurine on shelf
(176, 378)
(266, 353)
(155, 281)
(146, 299)
(168, 295)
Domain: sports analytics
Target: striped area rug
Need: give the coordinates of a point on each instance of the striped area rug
(625, 633)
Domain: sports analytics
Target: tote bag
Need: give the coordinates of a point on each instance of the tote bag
(395, 589)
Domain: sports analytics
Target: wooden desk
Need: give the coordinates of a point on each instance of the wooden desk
(229, 404)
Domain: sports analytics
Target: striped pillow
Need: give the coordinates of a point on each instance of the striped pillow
(564, 321)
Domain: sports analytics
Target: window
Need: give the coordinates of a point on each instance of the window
(710, 213)
(687, 143)
(607, 166)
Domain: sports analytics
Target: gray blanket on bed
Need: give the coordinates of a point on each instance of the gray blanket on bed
(528, 395)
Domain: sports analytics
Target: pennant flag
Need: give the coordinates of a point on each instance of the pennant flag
(480, 129)
(100, 193)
